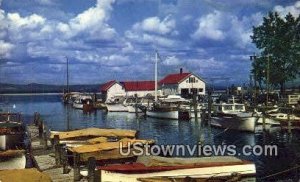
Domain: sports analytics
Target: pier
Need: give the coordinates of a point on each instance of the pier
(43, 154)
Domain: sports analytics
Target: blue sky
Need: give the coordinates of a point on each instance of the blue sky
(116, 39)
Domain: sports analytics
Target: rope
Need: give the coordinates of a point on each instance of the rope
(281, 172)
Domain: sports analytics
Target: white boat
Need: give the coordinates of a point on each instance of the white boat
(169, 108)
(12, 159)
(116, 104)
(233, 116)
(82, 100)
(198, 168)
(12, 131)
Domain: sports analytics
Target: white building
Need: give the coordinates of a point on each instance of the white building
(112, 89)
(181, 83)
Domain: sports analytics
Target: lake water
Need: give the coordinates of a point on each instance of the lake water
(55, 115)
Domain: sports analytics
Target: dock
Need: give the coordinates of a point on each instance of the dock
(43, 156)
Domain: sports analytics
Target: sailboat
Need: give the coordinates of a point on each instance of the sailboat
(168, 108)
(67, 95)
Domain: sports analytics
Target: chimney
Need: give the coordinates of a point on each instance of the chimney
(180, 70)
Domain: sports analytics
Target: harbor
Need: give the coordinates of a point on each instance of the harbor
(149, 91)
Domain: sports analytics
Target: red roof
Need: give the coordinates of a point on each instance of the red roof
(107, 85)
(174, 78)
(138, 85)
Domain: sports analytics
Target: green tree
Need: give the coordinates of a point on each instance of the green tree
(277, 38)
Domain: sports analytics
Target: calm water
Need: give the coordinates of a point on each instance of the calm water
(165, 132)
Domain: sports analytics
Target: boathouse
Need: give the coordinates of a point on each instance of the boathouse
(182, 83)
(112, 89)
(141, 88)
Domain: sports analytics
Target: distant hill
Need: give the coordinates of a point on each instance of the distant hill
(45, 88)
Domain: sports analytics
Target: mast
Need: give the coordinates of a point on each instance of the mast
(156, 60)
(68, 88)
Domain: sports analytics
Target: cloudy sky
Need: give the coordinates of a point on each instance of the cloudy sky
(117, 39)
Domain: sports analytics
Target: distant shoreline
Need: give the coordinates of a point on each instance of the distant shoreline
(28, 94)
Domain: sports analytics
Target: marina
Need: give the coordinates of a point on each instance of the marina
(149, 91)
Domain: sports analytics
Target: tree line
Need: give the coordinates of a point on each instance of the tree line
(278, 40)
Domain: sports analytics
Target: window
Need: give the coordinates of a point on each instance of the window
(192, 79)
(200, 89)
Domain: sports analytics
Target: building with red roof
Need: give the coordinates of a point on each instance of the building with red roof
(141, 88)
(182, 83)
(111, 89)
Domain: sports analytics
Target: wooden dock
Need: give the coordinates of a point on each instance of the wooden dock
(43, 157)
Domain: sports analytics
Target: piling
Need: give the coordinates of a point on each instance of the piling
(289, 123)
(135, 106)
(264, 121)
(64, 159)
(91, 169)
(76, 166)
(195, 106)
(56, 149)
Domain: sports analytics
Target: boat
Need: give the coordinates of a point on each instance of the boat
(84, 102)
(233, 116)
(12, 131)
(156, 167)
(116, 104)
(89, 133)
(24, 175)
(12, 159)
(109, 151)
(169, 108)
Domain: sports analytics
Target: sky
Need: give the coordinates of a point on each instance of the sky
(117, 39)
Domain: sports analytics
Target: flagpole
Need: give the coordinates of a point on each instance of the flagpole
(156, 60)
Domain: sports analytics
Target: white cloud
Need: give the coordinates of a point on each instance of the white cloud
(30, 22)
(210, 26)
(293, 9)
(171, 61)
(92, 22)
(155, 25)
(5, 49)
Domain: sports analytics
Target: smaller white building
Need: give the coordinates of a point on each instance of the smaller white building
(184, 84)
(112, 89)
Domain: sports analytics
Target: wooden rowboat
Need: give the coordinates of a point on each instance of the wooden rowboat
(23, 175)
(89, 133)
(12, 159)
(199, 168)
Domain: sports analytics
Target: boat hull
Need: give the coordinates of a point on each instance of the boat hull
(11, 141)
(132, 109)
(13, 162)
(235, 123)
(116, 108)
(203, 172)
(163, 115)
(77, 105)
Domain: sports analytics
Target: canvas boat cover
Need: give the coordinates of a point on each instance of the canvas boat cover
(173, 161)
(94, 132)
(23, 175)
(126, 142)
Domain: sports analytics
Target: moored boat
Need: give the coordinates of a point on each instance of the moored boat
(12, 159)
(12, 131)
(153, 166)
(233, 116)
(169, 108)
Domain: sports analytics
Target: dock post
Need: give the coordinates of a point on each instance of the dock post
(289, 123)
(45, 139)
(91, 169)
(64, 159)
(195, 106)
(57, 149)
(264, 121)
(41, 128)
(76, 166)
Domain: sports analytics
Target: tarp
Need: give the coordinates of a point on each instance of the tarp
(11, 153)
(95, 132)
(126, 142)
(23, 175)
(173, 161)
